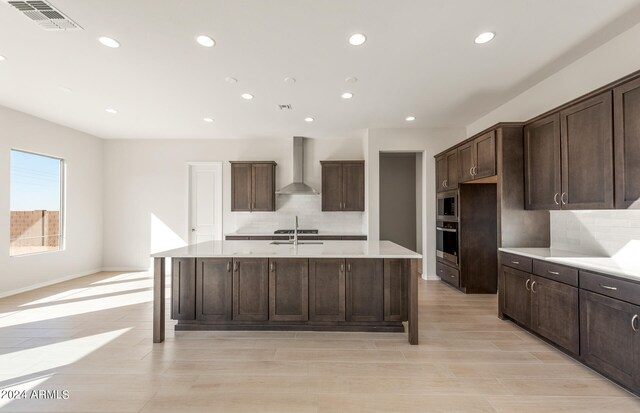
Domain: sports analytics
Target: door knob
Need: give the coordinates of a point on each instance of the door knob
(193, 230)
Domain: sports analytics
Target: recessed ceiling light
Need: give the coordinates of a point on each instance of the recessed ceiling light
(64, 89)
(208, 120)
(290, 80)
(347, 95)
(2, 58)
(351, 79)
(410, 118)
(111, 111)
(485, 37)
(309, 119)
(357, 39)
(247, 96)
(109, 42)
(230, 79)
(205, 41)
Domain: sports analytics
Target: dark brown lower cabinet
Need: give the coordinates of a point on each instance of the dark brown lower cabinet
(213, 289)
(183, 288)
(547, 307)
(516, 300)
(555, 313)
(327, 289)
(288, 289)
(395, 289)
(610, 337)
(365, 286)
(251, 289)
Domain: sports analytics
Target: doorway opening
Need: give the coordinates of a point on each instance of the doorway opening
(205, 201)
(401, 209)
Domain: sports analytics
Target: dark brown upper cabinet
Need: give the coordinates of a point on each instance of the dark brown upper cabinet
(447, 171)
(342, 185)
(626, 109)
(253, 186)
(569, 157)
(477, 158)
(542, 163)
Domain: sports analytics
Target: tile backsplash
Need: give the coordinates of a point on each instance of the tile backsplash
(310, 216)
(601, 233)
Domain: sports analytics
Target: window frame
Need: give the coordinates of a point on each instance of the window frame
(63, 203)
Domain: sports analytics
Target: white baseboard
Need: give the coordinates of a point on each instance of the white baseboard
(48, 283)
(431, 278)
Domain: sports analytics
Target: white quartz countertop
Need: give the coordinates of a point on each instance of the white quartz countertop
(271, 234)
(264, 249)
(624, 266)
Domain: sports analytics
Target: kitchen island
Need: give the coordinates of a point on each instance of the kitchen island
(264, 285)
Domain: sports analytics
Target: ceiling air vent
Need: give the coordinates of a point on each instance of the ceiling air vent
(47, 16)
(285, 107)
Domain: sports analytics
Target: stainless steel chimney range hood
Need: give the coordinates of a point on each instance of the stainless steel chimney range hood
(298, 187)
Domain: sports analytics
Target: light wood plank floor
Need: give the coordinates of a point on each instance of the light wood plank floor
(92, 337)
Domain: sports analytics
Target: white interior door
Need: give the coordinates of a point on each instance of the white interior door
(205, 220)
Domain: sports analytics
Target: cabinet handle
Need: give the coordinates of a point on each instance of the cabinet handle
(235, 266)
(563, 199)
(553, 272)
(349, 267)
(555, 199)
(471, 171)
(526, 285)
(475, 170)
(633, 323)
(446, 183)
(273, 266)
(515, 262)
(606, 287)
(441, 271)
(532, 289)
(228, 266)
(341, 267)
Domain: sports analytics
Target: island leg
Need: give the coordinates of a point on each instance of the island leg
(413, 302)
(158, 299)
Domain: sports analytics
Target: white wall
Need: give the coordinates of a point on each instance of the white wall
(146, 194)
(427, 141)
(611, 61)
(83, 156)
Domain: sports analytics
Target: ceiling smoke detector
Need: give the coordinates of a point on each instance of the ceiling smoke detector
(285, 107)
(45, 15)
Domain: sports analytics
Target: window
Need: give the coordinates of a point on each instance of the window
(37, 194)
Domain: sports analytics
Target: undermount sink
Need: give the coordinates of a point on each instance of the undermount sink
(299, 242)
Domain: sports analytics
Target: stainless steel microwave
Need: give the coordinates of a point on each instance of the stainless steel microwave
(447, 205)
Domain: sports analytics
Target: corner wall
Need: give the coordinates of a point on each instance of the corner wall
(83, 227)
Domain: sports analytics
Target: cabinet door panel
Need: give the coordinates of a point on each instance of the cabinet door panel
(241, 187)
(587, 154)
(263, 187)
(331, 186)
(183, 289)
(542, 163)
(484, 153)
(289, 289)
(250, 289)
(327, 289)
(465, 162)
(554, 312)
(353, 186)
(213, 286)
(395, 289)
(516, 299)
(626, 100)
(452, 169)
(607, 340)
(441, 173)
(365, 286)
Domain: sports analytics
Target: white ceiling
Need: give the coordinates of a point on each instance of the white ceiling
(419, 59)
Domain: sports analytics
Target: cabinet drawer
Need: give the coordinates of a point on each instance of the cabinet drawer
(611, 287)
(448, 274)
(518, 262)
(556, 272)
